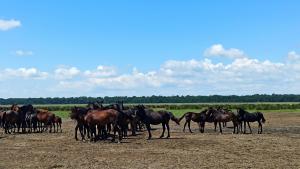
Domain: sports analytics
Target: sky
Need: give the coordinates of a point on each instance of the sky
(66, 48)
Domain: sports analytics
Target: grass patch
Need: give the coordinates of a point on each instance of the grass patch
(62, 114)
(180, 112)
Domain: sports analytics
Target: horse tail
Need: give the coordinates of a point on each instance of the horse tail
(176, 120)
(182, 116)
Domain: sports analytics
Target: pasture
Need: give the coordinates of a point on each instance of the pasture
(277, 147)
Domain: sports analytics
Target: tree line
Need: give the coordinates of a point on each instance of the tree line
(156, 99)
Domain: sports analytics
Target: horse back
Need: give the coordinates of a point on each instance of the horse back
(101, 117)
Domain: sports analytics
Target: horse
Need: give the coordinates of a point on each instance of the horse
(78, 114)
(45, 117)
(251, 117)
(57, 122)
(191, 116)
(11, 119)
(156, 117)
(101, 118)
(1, 118)
(213, 115)
(32, 121)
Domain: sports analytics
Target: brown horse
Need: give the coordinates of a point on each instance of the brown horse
(45, 118)
(191, 116)
(213, 115)
(57, 122)
(11, 118)
(101, 118)
(1, 118)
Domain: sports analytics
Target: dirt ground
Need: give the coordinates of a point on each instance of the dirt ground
(278, 147)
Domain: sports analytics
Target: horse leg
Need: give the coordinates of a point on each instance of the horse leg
(168, 128)
(164, 128)
(76, 129)
(199, 126)
(184, 126)
(259, 127)
(189, 125)
(234, 127)
(244, 127)
(249, 127)
(120, 134)
(215, 123)
(149, 132)
(220, 127)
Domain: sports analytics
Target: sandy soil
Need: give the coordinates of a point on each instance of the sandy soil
(278, 147)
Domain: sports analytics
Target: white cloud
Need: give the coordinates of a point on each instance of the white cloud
(9, 24)
(242, 75)
(219, 50)
(292, 56)
(66, 72)
(23, 53)
(101, 71)
(25, 73)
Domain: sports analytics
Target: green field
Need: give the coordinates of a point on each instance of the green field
(180, 112)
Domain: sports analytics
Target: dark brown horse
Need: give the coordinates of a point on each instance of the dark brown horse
(1, 118)
(45, 119)
(11, 119)
(102, 118)
(213, 115)
(78, 114)
(156, 117)
(191, 116)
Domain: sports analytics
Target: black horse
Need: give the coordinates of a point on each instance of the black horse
(155, 117)
(251, 117)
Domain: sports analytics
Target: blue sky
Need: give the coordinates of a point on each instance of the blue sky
(98, 48)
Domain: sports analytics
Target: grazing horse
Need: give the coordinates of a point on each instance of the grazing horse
(155, 117)
(191, 116)
(57, 122)
(101, 118)
(251, 117)
(45, 118)
(213, 115)
(78, 114)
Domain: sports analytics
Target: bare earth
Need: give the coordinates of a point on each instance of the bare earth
(278, 147)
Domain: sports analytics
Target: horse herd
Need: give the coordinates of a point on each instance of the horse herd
(98, 122)
(28, 119)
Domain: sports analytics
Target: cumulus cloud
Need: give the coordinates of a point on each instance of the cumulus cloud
(23, 53)
(242, 75)
(9, 24)
(292, 56)
(24, 73)
(66, 72)
(101, 71)
(219, 50)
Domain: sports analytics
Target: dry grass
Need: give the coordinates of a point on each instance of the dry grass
(278, 147)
